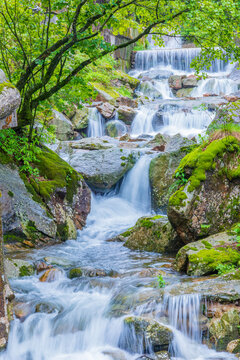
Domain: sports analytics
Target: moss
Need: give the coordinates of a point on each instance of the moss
(13, 237)
(207, 244)
(58, 174)
(75, 273)
(126, 233)
(62, 231)
(123, 164)
(202, 159)
(6, 85)
(213, 257)
(177, 199)
(193, 248)
(11, 194)
(25, 270)
(31, 230)
(148, 222)
(5, 159)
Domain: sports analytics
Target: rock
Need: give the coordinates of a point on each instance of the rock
(102, 169)
(175, 82)
(41, 266)
(203, 257)
(231, 98)
(219, 121)
(210, 200)
(178, 142)
(9, 102)
(80, 118)
(158, 140)
(161, 171)
(234, 346)
(53, 260)
(184, 92)
(224, 329)
(148, 332)
(124, 101)
(162, 355)
(126, 114)
(90, 144)
(63, 126)
(106, 110)
(156, 74)
(75, 273)
(115, 354)
(94, 272)
(22, 310)
(51, 275)
(15, 268)
(219, 289)
(189, 82)
(147, 88)
(152, 234)
(116, 128)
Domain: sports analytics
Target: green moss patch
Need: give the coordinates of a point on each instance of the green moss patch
(58, 174)
(177, 199)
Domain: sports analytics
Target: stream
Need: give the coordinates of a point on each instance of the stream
(83, 318)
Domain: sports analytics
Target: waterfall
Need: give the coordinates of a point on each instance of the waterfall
(187, 122)
(96, 124)
(135, 187)
(143, 121)
(176, 59)
(215, 86)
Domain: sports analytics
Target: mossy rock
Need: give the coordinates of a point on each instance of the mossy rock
(152, 234)
(203, 257)
(15, 268)
(75, 273)
(209, 201)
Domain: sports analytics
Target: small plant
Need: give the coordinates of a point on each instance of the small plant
(225, 268)
(180, 176)
(236, 233)
(161, 281)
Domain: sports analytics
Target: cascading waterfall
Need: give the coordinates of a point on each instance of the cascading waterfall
(143, 121)
(96, 124)
(175, 59)
(215, 86)
(135, 187)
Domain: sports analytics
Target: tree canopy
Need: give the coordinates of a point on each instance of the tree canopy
(47, 45)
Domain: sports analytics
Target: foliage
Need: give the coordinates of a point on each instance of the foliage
(225, 268)
(180, 176)
(47, 47)
(161, 281)
(236, 233)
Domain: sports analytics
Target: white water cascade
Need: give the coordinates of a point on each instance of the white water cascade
(215, 86)
(142, 123)
(96, 124)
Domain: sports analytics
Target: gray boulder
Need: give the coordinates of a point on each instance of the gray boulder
(63, 126)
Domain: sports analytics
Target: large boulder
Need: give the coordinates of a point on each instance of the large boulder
(63, 126)
(203, 257)
(161, 171)
(36, 211)
(152, 234)
(15, 268)
(150, 334)
(102, 169)
(175, 82)
(224, 329)
(81, 118)
(235, 74)
(184, 92)
(189, 82)
(9, 102)
(106, 110)
(126, 114)
(209, 195)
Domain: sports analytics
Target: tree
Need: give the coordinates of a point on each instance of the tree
(47, 45)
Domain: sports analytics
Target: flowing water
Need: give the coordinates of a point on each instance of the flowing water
(83, 318)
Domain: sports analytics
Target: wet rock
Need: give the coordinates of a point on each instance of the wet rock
(91, 144)
(148, 89)
(22, 310)
(149, 332)
(80, 118)
(51, 275)
(115, 128)
(41, 266)
(102, 169)
(115, 354)
(75, 273)
(234, 346)
(152, 234)
(189, 82)
(162, 355)
(53, 260)
(224, 329)
(210, 200)
(175, 82)
(183, 92)
(63, 126)
(106, 110)
(9, 102)
(94, 272)
(15, 268)
(235, 74)
(126, 114)
(126, 101)
(203, 257)
(161, 171)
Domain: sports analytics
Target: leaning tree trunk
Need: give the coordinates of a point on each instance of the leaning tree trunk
(6, 295)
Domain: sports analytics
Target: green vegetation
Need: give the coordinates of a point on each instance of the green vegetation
(75, 273)
(202, 159)
(161, 281)
(147, 222)
(177, 199)
(225, 268)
